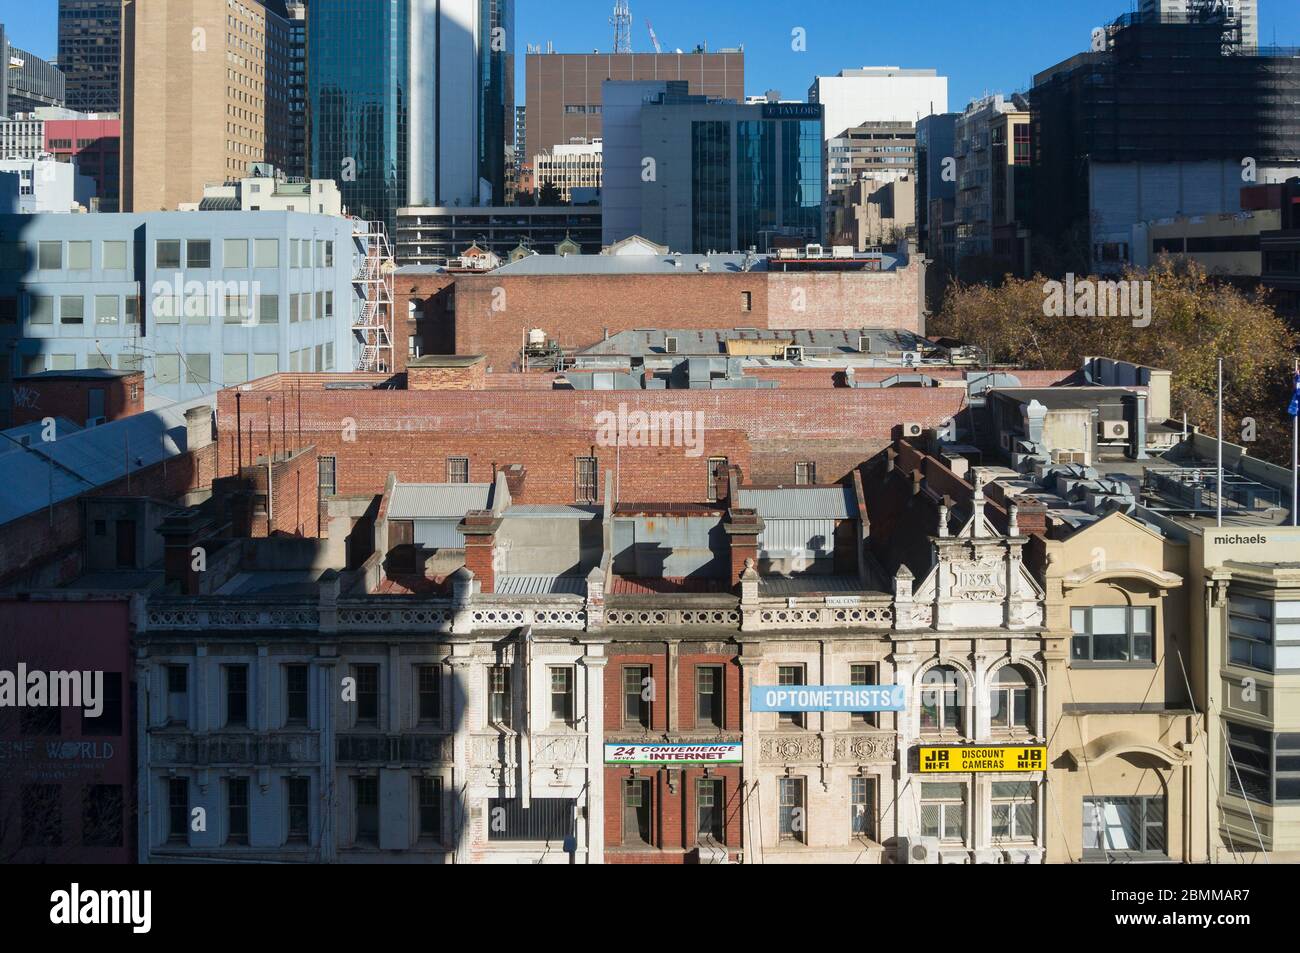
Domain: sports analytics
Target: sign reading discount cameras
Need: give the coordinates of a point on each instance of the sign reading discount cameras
(826, 698)
(723, 753)
(1010, 758)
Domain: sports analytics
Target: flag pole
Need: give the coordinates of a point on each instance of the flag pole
(1218, 489)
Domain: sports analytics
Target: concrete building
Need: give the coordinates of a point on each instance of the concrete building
(433, 236)
(29, 81)
(568, 168)
(30, 186)
(22, 138)
(90, 53)
(992, 141)
(194, 300)
(187, 119)
(268, 189)
(871, 213)
(702, 176)
(1242, 16)
(1227, 245)
(878, 94)
(936, 196)
(565, 99)
(875, 150)
(93, 144)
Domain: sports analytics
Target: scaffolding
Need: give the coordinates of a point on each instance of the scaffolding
(373, 281)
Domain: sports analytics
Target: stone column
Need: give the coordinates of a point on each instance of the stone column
(750, 822)
(594, 662)
(461, 665)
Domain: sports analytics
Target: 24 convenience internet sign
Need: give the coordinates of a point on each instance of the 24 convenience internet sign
(723, 753)
(1011, 758)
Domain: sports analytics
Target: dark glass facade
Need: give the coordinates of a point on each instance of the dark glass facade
(90, 53)
(755, 181)
(801, 176)
(711, 185)
(358, 102)
(497, 92)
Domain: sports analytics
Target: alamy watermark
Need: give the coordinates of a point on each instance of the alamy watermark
(178, 299)
(1090, 298)
(37, 689)
(654, 428)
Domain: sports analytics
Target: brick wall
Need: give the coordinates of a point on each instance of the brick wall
(434, 296)
(446, 378)
(35, 398)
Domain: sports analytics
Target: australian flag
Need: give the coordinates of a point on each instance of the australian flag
(1294, 409)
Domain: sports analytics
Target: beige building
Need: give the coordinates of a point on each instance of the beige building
(1226, 244)
(569, 168)
(870, 213)
(200, 96)
(266, 189)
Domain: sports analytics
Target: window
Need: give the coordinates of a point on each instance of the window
(198, 254)
(545, 819)
(941, 701)
(178, 703)
(367, 688)
(113, 256)
(1009, 698)
(709, 696)
(178, 810)
(264, 365)
(234, 252)
(295, 694)
(72, 309)
(235, 309)
(943, 811)
(792, 824)
(1015, 810)
(429, 689)
(862, 807)
(329, 254)
(711, 806)
(42, 821)
(268, 309)
(40, 309)
(637, 691)
(293, 309)
(458, 469)
(109, 722)
(805, 474)
(746, 301)
(266, 253)
(584, 479)
(562, 695)
(1124, 824)
(864, 674)
(499, 707)
(167, 369)
(429, 808)
(325, 476)
(236, 695)
(329, 305)
(234, 369)
(1111, 634)
(168, 309)
(237, 811)
(717, 472)
(132, 309)
(78, 256)
(1263, 634)
(49, 256)
(297, 792)
(295, 253)
(365, 799)
(198, 368)
(102, 815)
(636, 811)
(791, 675)
(167, 253)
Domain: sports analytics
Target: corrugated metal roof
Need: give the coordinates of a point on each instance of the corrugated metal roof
(415, 501)
(82, 460)
(791, 503)
(540, 585)
(555, 511)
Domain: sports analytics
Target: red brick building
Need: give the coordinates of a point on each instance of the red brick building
(85, 397)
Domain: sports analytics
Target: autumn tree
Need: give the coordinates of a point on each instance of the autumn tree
(1194, 320)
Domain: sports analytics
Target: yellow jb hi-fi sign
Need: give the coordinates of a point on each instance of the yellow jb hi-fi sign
(1011, 758)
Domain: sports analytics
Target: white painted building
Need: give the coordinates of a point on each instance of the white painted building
(878, 94)
(267, 190)
(29, 186)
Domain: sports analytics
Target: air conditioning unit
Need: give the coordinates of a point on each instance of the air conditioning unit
(1114, 429)
(921, 850)
(813, 251)
(1070, 456)
(912, 430)
(794, 352)
(864, 343)
(670, 345)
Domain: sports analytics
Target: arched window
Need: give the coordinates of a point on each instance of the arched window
(1009, 698)
(942, 700)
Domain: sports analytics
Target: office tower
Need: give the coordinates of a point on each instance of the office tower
(398, 111)
(29, 82)
(993, 154)
(878, 94)
(295, 158)
(205, 96)
(564, 89)
(726, 176)
(1241, 15)
(90, 53)
(936, 187)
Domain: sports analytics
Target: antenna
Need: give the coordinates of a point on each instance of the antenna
(622, 22)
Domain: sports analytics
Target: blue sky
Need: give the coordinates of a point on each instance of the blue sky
(982, 46)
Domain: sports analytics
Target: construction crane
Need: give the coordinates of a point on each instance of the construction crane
(653, 39)
(622, 23)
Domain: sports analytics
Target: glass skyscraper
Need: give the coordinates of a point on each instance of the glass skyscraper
(90, 53)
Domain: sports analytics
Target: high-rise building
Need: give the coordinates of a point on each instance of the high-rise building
(29, 82)
(295, 159)
(564, 104)
(568, 168)
(936, 187)
(1242, 15)
(701, 175)
(90, 53)
(205, 96)
(878, 94)
(398, 107)
(992, 153)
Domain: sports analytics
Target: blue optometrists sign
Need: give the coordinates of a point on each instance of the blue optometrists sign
(826, 698)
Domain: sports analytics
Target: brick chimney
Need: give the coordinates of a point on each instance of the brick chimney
(479, 529)
(182, 533)
(742, 527)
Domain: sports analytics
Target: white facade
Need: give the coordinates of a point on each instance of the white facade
(22, 138)
(569, 167)
(29, 186)
(1244, 11)
(878, 94)
(272, 193)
